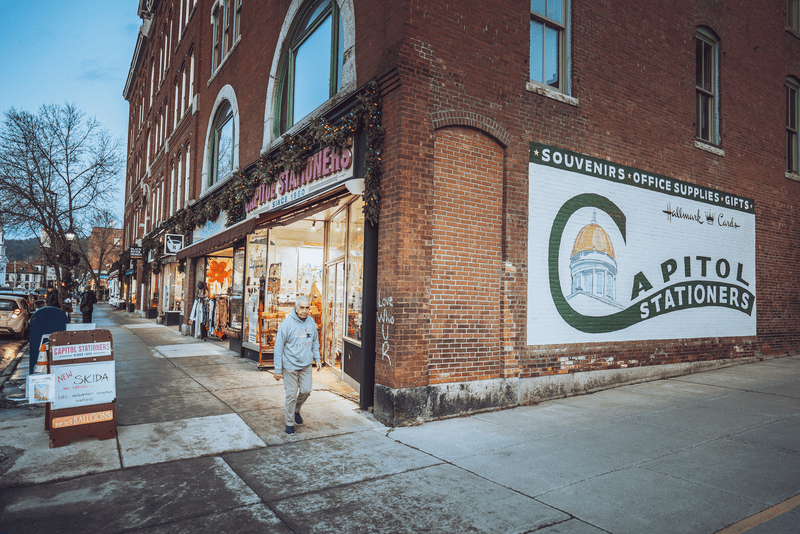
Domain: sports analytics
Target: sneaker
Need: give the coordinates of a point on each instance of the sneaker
(290, 430)
(297, 418)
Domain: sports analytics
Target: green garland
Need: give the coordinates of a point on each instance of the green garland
(293, 154)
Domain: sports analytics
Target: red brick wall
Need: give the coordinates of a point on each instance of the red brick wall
(454, 74)
(467, 248)
(633, 78)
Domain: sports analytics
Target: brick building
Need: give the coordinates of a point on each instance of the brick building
(557, 196)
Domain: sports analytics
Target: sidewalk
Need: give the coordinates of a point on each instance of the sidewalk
(200, 447)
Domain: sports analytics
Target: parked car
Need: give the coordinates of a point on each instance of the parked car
(15, 315)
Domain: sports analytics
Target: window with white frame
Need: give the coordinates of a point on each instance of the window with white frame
(311, 68)
(792, 121)
(548, 44)
(706, 73)
(221, 144)
(793, 14)
(225, 21)
(237, 20)
(215, 48)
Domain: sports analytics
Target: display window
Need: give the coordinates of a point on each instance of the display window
(154, 277)
(320, 256)
(173, 288)
(237, 290)
(214, 294)
(255, 280)
(355, 270)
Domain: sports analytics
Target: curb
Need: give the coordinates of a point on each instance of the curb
(11, 367)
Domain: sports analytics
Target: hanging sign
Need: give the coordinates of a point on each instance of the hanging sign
(173, 243)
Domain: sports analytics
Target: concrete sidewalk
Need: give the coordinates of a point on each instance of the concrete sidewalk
(200, 447)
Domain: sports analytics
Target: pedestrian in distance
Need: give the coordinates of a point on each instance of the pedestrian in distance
(296, 348)
(52, 298)
(87, 305)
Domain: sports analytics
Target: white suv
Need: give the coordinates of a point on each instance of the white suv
(15, 315)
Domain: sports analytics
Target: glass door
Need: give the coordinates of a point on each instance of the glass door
(333, 319)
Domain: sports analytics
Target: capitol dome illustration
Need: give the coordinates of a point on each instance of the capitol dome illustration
(593, 268)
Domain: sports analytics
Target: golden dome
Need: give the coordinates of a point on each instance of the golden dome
(593, 237)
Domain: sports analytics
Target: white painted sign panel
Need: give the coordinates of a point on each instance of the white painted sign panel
(84, 384)
(82, 350)
(620, 254)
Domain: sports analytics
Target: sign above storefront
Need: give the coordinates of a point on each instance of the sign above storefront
(173, 243)
(136, 252)
(210, 228)
(324, 170)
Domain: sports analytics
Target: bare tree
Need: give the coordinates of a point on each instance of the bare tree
(58, 170)
(102, 246)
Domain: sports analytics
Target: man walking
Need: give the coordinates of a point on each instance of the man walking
(296, 347)
(88, 301)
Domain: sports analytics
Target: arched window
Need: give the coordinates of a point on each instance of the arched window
(221, 144)
(311, 70)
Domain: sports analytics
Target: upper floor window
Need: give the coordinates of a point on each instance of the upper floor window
(311, 71)
(221, 144)
(215, 40)
(548, 43)
(793, 14)
(237, 19)
(225, 20)
(706, 85)
(792, 121)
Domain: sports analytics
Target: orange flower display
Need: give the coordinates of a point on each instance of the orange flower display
(217, 272)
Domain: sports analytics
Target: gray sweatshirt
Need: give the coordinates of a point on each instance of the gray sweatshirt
(297, 343)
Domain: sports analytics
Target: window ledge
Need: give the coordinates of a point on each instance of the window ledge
(792, 176)
(224, 60)
(792, 31)
(546, 92)
(709, 148)
(212, 188)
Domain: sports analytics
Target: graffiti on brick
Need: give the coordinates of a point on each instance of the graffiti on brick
(385, 319)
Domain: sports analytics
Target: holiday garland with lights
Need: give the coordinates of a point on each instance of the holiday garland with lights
(293, 155)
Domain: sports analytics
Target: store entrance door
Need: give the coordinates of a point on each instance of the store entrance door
(333, 316)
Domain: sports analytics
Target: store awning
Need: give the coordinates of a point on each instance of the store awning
(218, 241)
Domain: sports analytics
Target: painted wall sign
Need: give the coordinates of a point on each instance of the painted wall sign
(82, 350)
(210, 228)
(619, 254)
(84, 384)
(324, 168)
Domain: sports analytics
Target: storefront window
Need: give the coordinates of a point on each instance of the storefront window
(237, 289)
(154, 288)
(321, 256)
(337, 236)
(173, 288)
(355, 270)
(255, 279)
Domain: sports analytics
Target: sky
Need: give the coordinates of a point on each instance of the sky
(59, 51)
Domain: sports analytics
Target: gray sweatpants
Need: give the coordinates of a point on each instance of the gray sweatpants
(292, 381)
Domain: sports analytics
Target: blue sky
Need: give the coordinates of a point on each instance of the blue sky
(57, 51)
